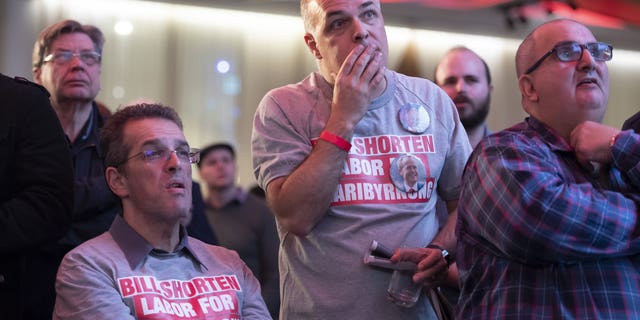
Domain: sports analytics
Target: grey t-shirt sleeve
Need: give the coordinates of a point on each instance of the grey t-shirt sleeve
(279, 140)
(85, 292)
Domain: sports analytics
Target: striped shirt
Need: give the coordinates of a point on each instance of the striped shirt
(540, 237)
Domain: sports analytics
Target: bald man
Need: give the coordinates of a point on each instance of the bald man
(548, 225)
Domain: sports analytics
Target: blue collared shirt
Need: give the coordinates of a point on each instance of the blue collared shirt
(541, 237)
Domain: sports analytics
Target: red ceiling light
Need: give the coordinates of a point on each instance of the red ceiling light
(612, 14)
(580, 14)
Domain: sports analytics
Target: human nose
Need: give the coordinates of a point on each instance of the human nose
(586, 62)
(76, 60)
(360, 33)
(174, 162)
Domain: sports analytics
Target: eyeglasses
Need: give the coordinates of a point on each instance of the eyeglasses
(63, 57)
(163, 154)
(572, 51)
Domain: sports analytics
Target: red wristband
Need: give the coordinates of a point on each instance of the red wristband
(336, 140)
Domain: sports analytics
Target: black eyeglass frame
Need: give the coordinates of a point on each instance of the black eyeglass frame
(583, 47)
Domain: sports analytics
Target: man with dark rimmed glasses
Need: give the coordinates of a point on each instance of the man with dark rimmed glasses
(146, 266)
(548, 225)
(572, 51)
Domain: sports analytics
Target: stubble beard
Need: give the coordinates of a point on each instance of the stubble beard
(478, 116)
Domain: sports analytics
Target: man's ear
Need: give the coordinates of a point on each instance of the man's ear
(117, 182)
(37, 73)
(527, 88)
(311, 44)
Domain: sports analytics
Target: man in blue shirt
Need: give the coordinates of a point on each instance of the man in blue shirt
(548, 225)
(67, 61)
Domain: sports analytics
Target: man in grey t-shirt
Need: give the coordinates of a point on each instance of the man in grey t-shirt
(146, 266)
(326, 151)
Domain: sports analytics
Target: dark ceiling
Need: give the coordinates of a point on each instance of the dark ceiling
(613, 21)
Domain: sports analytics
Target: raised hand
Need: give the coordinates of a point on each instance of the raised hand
(360, 80)
(590, 141)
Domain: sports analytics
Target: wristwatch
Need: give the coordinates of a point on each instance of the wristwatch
(445, 254)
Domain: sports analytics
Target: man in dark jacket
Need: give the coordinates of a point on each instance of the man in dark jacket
(35, 193)
(67, 60)
(632, 123)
